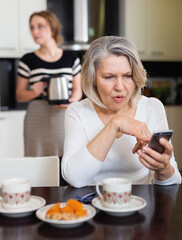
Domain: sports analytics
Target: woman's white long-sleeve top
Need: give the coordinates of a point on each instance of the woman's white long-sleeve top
(82, 124)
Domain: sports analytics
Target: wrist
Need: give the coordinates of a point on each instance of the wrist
(114, 125)
(164, 174)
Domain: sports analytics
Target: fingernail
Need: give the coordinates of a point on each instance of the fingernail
(161, 140)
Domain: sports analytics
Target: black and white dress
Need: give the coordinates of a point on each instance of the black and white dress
(44, 123)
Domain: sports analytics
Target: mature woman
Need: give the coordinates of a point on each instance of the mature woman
(44, 123)
(106, 134)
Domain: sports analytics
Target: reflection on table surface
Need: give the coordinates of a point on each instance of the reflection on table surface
(160, 219)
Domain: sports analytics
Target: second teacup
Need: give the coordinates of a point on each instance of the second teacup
(15, 193)
(116, 192)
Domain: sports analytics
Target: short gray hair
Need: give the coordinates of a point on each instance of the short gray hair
(101, 48)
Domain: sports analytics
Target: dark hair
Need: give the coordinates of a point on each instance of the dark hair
(53, 22)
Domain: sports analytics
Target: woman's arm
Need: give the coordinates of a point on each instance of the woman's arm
(76, 89)
(78, 166)
(23, 94)
(101, 144)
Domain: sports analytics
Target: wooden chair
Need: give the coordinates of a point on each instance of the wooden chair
(41, 171)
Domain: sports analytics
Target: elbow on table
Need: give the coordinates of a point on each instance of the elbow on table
(78, 184)
(73, 181)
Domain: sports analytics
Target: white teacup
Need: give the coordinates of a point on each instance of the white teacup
(15, 193)
(116, 192)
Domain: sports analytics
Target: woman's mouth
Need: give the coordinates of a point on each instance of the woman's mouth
(118, 99)
(36, 38)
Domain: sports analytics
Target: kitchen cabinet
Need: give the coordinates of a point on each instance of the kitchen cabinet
(133, 25)
(11, 133)
(163, 32)
(174, 116)
(16, 39)
(9, 44)
(154, 27)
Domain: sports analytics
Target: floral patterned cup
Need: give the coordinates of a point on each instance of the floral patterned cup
(15, 193)
(116, 192)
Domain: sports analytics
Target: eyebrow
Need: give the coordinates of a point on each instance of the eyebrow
(129, 72)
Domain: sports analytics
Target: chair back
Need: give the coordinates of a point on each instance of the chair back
(41, 171)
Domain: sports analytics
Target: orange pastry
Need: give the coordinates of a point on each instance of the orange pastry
(72, 210)
(75, 205)
(53, 210)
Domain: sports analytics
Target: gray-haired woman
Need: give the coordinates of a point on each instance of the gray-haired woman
(106, 134)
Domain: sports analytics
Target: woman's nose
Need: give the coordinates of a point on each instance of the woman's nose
(34, 31)
(119, 84)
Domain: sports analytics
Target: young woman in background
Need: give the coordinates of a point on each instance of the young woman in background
(44, 123)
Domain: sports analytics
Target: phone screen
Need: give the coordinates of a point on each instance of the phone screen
(154, 142)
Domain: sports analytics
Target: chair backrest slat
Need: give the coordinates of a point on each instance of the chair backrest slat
(41, 171)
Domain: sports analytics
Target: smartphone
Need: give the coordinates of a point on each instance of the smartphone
(154, 142)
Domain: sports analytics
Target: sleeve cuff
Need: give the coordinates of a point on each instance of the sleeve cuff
(174, 179)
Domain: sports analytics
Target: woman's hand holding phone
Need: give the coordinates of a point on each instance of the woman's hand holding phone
(154, 142)
(159, 162)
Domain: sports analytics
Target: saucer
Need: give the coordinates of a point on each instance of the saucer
(35, 203)
(136, 204)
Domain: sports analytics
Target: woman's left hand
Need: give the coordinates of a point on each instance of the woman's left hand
(71, 100)
(159, 163)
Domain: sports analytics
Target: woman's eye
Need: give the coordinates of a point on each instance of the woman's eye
(41, 26)
(108, 77)
(128, 76)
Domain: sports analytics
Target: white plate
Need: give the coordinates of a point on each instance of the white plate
(41, 214)
(35, 203)
(136, 204)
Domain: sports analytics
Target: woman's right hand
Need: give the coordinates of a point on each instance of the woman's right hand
(23, 94)
(126, 125)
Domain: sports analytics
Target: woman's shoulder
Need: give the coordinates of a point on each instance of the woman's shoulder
(150, 102)
(69, 54)
(151, 110)
(28, 57)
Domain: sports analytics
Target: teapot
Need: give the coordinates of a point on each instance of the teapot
(57, 89)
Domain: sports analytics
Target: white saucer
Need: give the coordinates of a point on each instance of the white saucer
(136, 204)
(35, 203)
(41, 214)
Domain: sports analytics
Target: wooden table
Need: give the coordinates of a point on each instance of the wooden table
(160, 219)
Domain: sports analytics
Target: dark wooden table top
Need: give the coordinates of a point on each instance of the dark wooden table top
(160, 219)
